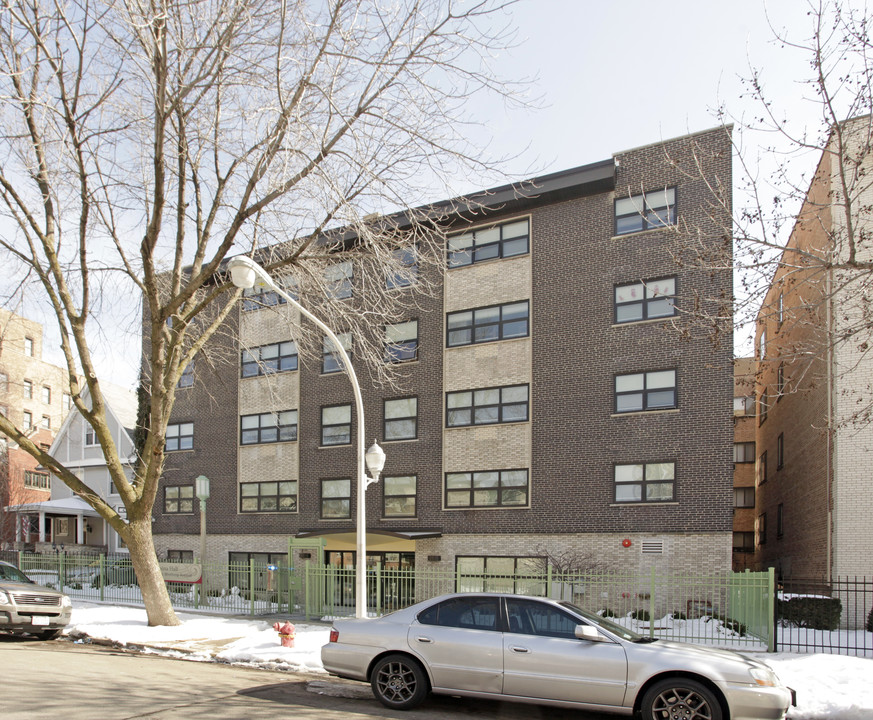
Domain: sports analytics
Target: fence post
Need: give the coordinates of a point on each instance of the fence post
(62, 571)
(306, 580)
(378, 607)
(251, 586)
(101, 569)
(549, 581)
(21, 560)
(771, 615)
(652, 605)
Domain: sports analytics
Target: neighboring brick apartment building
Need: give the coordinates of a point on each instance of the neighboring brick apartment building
(744, 463)
(32, 396)
(814, 494)
(546, 407)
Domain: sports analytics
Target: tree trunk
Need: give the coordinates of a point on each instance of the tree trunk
(159, 610)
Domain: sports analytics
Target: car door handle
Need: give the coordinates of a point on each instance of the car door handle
(518, 649)
(423, 639)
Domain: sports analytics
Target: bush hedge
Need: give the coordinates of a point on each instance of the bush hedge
(818, 613)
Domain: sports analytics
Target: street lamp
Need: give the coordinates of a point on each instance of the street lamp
(246, 273)
(201, 490)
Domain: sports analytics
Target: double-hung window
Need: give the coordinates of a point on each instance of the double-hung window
(46, 394)
(336, 498)
(405, 272)
(180, 436)
(645, 482)
(499, 241)
(331, 360)
(178, 499)
(401, 419)
(487, 488)
(269, 359)
(27, 390)
(268, 496)
(744, 497)
(336, 425)
(186, 379)
(399, 495)
(488, 324)
(646, 211)
(401, 342)
(744, 452)
(761, 469)
(645, 391)
(645, 300)
(269, 427)
(487, 406)
(338, 278)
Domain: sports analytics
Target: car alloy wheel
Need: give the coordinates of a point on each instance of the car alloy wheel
(399, 682)
(680, 699)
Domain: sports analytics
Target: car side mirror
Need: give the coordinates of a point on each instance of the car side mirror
(588, 632)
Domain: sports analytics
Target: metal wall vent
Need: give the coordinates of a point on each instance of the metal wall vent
(656, 547)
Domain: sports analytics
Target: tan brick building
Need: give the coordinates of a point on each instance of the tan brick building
(744, 463)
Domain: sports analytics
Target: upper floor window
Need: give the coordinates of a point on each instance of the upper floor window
(744, 405)
(762, 344)
(401, 419)
(645, 300)
(399, 495)
(744, 542)
(487, 406)
(489, 488)
(91, 436)
(761, 469)
(401, 342)
(780, 381)
(780, 451)
(643, 212)
(331, 360)
(27, 420)
(488, 324)
(178, 499)
(268, 496)
(763, 407)
(66, 401)
(269, 427)
(645, 391)
(28, 346)
(780, 520)
(744, 452)
(268, 359)
(4, 382)
(499, 241)
(761, 528)
(186, 379)
(406, 270)
(336, 425)
(645, 482)
(338, 278)
(180, 436)
(27, 389)
(36, 480)
(46, 394)
(336, 498)
(255, 298)
(744, 497)
(46, 423)
(780, 309)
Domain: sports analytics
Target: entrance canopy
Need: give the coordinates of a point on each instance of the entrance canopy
(67, 506)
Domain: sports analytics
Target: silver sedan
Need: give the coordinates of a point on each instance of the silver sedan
(535, 650)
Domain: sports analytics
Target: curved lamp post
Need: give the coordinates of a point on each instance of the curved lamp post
(246, 273)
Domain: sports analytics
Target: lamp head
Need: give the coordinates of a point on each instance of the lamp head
(201, 485)
(242, 271)
(375, 458)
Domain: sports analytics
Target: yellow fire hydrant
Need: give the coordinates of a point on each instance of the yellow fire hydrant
(286, 633)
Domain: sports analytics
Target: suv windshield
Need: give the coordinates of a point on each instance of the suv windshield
(13, 574)
(608, 625)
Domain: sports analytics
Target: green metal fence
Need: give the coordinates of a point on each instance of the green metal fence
(728, 609)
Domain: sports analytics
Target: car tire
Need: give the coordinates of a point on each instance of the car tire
(399, 682)
(48, 634)
(680, 698)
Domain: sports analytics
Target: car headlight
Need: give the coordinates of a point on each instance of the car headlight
(66, 602)
(4, 598)
(764, 676)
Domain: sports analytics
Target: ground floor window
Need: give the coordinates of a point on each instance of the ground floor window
(265, 576)
(484, 573)
(180, 556)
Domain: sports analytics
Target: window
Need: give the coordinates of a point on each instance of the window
(763, 406)
(500, 574)
(398, 496)
(499, 241)
(46, 395)
(489, 488)
(401, 342)
(780, 451)
(761, 469)
(268, 496)
(744, 497)
(530, 617)
(487, 406)
(780, 310)
(401, 419)
(180, 556)
(744, 406)
(645, 482)
(27, 389)
(761, 529)
(180, 436)
(269, 359)
(336, 425)
(339, 280)
(4, 382)
(744, 452)
(488, 324)
(91, 436)
(780, 520)
(336, 500)
(28, 346)
(780, 382)
(744, 542)
(645, 212)
(645, 300)
(762, 344)
(331, 361)
(36, 480)
(269, 427)
(186, 379)
(472, 613)
(66, 402)
(255, 298)
(46, 423)
(178, 499)
(406, 272)
(27, 420)
(645, 391)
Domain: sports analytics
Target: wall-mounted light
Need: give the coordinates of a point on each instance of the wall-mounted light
(434, 558)
(305, 555)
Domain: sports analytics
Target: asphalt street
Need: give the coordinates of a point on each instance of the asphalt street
(83, 682)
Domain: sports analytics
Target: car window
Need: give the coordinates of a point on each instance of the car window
(471, 613)
(7, 572)
(529, 617)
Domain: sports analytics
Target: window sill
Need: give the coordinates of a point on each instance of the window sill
(400, 440)
(671, 411)
(647, 321)
(487, 425)
(642, 232)
(245, 513)
(259, 444)
(645, 504)
(338, 445)
(488, 508)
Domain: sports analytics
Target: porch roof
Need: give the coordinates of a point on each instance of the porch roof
(66, 506)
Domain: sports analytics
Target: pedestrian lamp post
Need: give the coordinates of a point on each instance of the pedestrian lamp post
(246, 273)
(201, 489)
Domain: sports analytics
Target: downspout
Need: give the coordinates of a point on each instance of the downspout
(830, 450)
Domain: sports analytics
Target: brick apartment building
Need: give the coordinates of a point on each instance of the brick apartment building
(546, 406)
(744, 463)
(32, 396)
(814, 496)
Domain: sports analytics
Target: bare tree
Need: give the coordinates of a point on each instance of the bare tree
(143, 143)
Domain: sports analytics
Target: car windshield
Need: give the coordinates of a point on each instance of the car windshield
(608, 625)
(13, 574)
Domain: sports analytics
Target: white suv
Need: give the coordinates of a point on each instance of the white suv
(26, 607)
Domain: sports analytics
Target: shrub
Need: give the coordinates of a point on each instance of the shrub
(607, 613)
(729, 623)
(870, 621)
(678, 615)
(641, 614)
(75, 586)
(818, 613)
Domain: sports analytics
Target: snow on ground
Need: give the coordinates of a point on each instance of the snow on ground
(828, 686)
